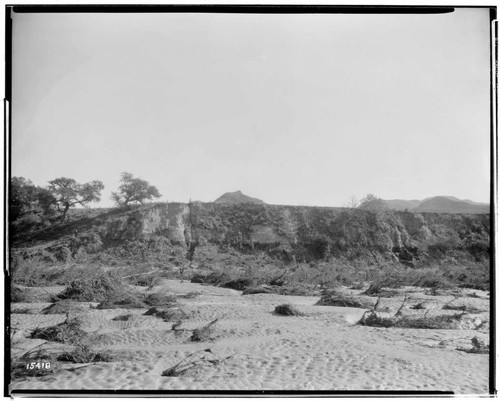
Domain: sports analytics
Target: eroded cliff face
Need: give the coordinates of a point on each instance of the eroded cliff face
(288, 233)
(312, 233)
(171, 221)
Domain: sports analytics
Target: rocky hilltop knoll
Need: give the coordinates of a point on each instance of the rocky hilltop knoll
(237, 197)
(197, 233)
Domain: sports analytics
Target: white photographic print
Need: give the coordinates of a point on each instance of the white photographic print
(257, 200)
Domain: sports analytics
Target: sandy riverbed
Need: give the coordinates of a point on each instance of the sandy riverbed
(254, 349)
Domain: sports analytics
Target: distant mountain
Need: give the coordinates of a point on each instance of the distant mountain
(401, 204)
(440, 204)
(237, 197)
(447, 204)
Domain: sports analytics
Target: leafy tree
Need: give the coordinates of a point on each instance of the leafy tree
(68, 193)
(25, 197)
(371, 202)
(46, 201)
(134, 190)
(22, 196)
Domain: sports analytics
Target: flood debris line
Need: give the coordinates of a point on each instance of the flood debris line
(458, 321)
(336, 298)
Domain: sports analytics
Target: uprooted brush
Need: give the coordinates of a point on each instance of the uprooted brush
(193, 363)
(336, 298)
(287, 310)
(204, 333)
(168, 315)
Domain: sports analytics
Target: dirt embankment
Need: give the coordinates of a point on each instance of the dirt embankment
(291, 234)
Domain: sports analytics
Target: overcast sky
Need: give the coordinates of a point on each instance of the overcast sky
(291, 109)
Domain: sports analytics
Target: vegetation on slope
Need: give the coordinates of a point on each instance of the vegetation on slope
(247, 246)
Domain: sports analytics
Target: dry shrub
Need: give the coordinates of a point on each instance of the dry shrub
(420, 305)
(122, 318)
(204, 333)
(18, 294)
(31, 269)
(334, 298)
(199, 278)
(440, 322)
(278, 281)
(213, 278)
(159, 299)
(151, 311)
(372, 318)
(190, 295)
(61, 307)
(444, 276)
(357, 286)
(147, 281)
(434, 292)
(83, 353)
(377, 290)
(437, 292)
(168, 315)
(173, 314)
(69, 332)
(287, 310)
(193, 363)
(22, 311)
(373, 289)
(124, 301)
(239, 284)
(298, 289)
(99, 287)
(260, 290)
(287, 289)
(432, 278)
(147, 278)
(464, 308)
(478, 347)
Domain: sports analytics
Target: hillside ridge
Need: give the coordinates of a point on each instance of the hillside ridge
(439, 204)
(203, 232)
